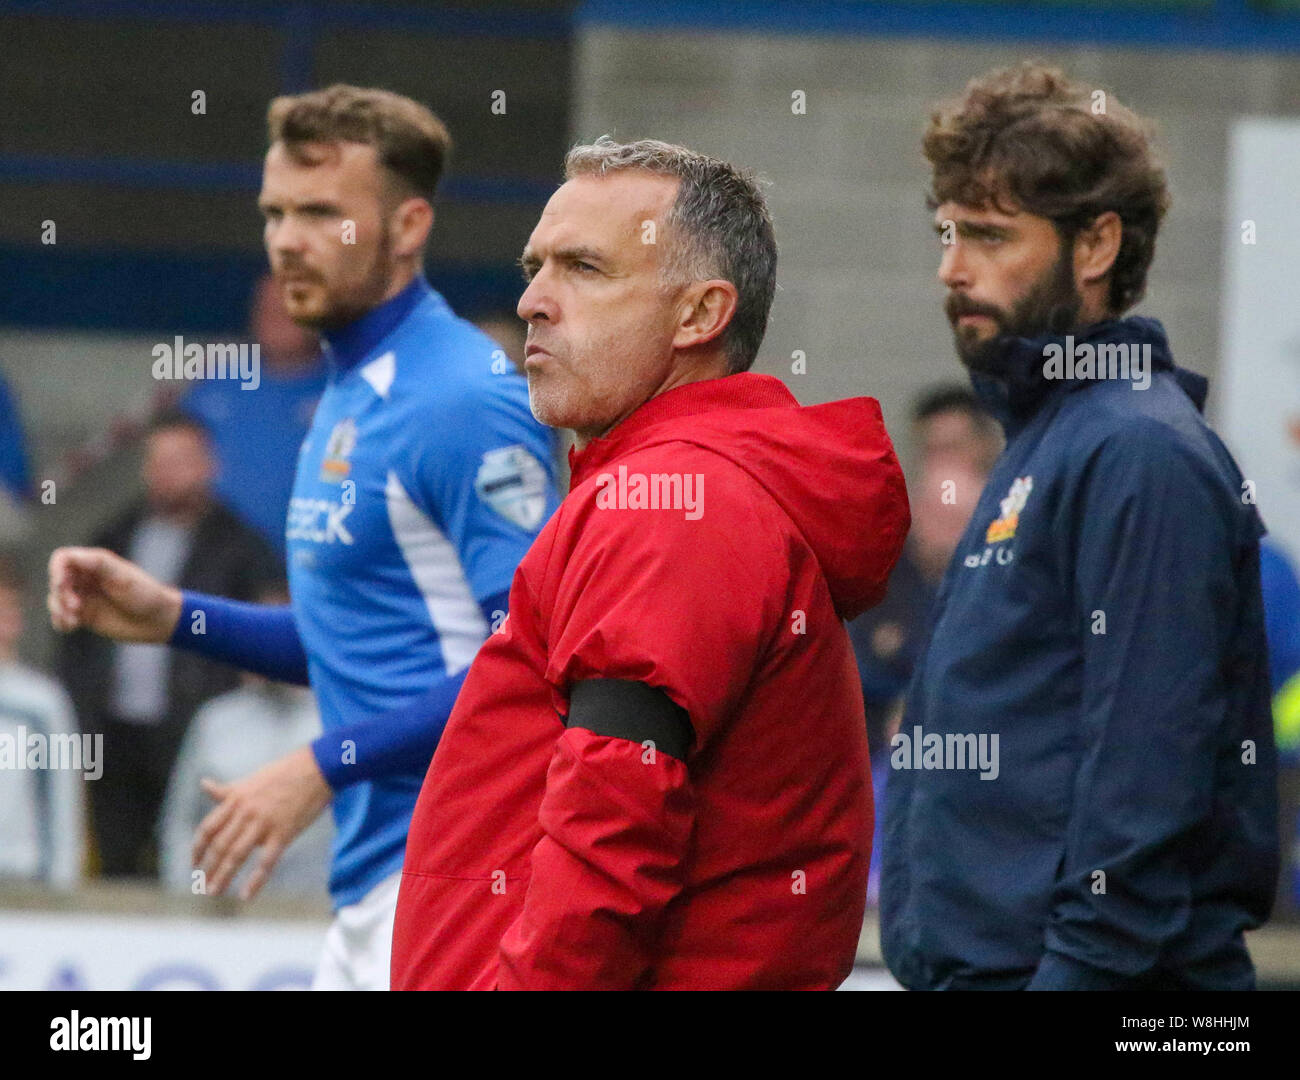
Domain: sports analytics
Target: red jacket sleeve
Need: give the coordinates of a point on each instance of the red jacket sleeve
(617, 818)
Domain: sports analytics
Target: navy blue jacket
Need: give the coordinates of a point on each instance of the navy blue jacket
(1102, 618)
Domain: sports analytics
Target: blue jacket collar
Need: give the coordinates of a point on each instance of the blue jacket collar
(347, 345)
(1015, 395)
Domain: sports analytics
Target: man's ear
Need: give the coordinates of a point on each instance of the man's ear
(709, 307)
(1096, 247)
(413, 221)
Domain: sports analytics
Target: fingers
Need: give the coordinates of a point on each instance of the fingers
(244, 819)
(62, 618)
(229, 851)
(62, 600)
(101, 591)
(212, 825)
(72, 571)
(226, 838)
(265, 864)
(66, 562)
(58, 568)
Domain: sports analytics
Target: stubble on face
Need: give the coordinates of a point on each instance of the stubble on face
(327, 281)
(577, 396)
(351, 300)
(599, 334)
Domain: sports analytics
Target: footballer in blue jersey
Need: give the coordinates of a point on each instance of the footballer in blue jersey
(421, 483)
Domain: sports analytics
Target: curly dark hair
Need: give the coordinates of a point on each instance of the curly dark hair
(1029, 138)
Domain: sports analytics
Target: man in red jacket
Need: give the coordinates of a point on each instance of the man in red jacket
(656, 773)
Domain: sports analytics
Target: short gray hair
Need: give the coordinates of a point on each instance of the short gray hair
(719, 227)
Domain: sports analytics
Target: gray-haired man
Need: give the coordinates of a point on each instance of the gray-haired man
(656, 773)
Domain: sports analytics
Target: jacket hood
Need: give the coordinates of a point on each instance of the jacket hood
(1021, 387)
(830, 467)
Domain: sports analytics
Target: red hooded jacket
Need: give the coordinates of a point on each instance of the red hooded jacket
(710, 546)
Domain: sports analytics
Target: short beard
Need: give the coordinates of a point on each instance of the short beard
(368, 295)
(1050, 307)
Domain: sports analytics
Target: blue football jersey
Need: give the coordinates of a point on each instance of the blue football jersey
(421, 483)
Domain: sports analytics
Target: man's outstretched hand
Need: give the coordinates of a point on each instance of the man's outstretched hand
(266, 810)
(93, 589)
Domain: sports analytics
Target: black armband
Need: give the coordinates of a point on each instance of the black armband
(624, 709)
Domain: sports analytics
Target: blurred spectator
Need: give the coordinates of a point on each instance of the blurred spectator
(231, 736)
(256, 433)
(141, 697)
(15, 479)
(956, 443)
(42, 823)
(948, 422)
(1282, 625)
(1282, 628)
(508, 330)
(14, 476)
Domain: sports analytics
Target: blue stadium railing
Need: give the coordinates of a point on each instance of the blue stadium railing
(1230, 25)
(59, 289)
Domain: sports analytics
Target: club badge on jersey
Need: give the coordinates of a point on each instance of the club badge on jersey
(513, 483)
(335, 467)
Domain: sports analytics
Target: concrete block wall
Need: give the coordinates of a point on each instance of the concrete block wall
(858, 292)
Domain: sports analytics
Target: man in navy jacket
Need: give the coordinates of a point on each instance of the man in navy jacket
(1084, 794)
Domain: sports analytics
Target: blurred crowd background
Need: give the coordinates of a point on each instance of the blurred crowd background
(130, 142)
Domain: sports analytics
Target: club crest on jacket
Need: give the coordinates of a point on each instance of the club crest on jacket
(1004, 527)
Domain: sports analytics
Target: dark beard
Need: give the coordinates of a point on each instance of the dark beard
(1050, 307)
